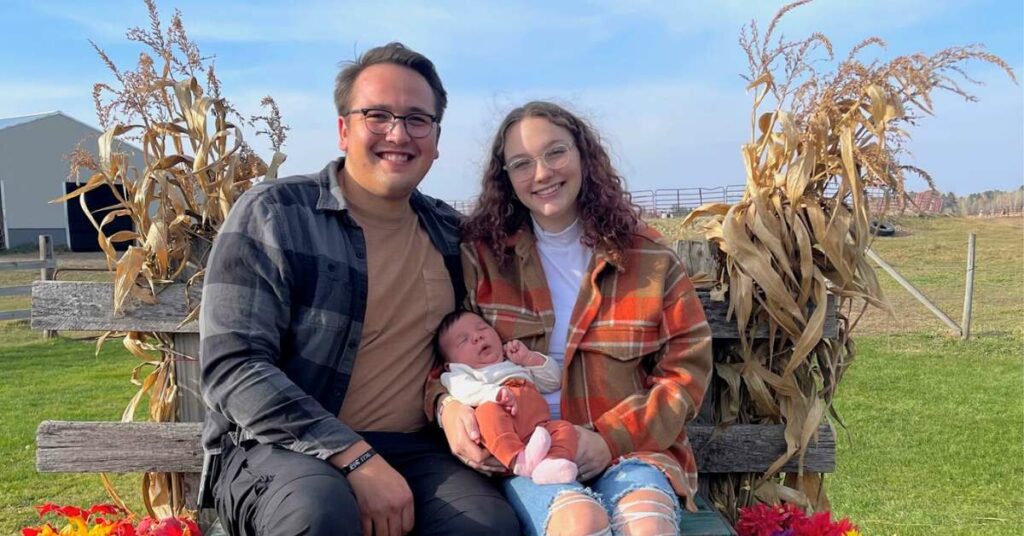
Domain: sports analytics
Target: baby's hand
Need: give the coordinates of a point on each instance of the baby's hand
(507, 400)
(518, 353)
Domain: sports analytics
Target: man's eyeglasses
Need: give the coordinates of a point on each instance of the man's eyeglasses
(380, 121)
(523, 167)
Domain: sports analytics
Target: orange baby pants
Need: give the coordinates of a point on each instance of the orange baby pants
(506, 435)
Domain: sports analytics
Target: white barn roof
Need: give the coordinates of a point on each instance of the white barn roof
(6, 122)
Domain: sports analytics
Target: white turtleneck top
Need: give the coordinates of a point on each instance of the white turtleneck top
(565, 260)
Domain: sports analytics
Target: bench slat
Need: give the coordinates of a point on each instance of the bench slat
(80, 306)
(116, 447)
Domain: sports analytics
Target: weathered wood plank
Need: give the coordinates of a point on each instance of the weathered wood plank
(114, 447)
(723, 327)
(78, 306)
(20, 314)
(174, 447)
(698, 256)
(752, 448)
(190, 402)
(16, 291)
(27, 265)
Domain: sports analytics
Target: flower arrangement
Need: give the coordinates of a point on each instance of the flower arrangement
(108, 520)
(790, 520)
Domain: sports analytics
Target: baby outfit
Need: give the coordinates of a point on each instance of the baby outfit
(503, 434)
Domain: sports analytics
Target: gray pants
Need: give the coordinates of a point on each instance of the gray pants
(266, 490)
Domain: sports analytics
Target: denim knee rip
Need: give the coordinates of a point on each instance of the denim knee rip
(589, 496)
(671, 511)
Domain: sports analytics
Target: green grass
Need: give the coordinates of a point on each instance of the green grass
(935, 441)
(58, 379)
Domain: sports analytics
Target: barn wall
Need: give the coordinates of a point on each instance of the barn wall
(34, 169)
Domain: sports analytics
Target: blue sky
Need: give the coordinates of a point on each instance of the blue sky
(660, 79)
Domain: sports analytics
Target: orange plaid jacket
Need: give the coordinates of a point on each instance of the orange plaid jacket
(638, 359)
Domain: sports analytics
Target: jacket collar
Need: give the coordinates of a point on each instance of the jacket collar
(524, 242)
(331, 198)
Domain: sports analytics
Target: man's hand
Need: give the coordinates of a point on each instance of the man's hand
(463, 434)
(384, 497)
(507, 399)
(518, 353)
(592, 454)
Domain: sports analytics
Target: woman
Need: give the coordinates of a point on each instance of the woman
(556, 256)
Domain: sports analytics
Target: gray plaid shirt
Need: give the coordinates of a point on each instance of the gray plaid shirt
(282, 313)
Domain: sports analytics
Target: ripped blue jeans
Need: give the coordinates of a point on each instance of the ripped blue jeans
(532, 502)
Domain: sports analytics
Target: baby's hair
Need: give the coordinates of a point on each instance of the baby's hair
(446, 323)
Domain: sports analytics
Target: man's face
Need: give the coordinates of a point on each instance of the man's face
(472, 341)
(388, 165)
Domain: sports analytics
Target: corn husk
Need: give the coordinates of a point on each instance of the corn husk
(818, 141)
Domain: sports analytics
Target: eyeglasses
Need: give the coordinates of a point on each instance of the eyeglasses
(380, 121)
(523, 167)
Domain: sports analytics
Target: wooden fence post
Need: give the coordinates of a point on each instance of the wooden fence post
(46, 271)
(190, 402)
(965, 322)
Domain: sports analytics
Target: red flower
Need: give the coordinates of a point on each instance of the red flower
(170, 526)
(46, 508)
(41, 530)
(124, 528)
(819, 524)
(109, 509)
(844, 525)
(760, 520)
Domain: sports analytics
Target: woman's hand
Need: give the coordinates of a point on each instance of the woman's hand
(592, 454)
(463, 434)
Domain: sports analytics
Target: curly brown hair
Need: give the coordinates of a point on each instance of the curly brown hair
(609, 218)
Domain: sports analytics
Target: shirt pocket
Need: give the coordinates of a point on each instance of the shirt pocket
(325, 296)
(622, 353)
(622, 342)
(437, 285)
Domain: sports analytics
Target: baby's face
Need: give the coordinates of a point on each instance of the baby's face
(472, 341)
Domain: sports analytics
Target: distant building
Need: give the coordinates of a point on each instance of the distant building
(34, 171)
(928, 202)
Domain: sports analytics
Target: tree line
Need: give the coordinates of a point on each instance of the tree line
(987, 203)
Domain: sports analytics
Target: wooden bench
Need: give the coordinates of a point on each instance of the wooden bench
(175, 447)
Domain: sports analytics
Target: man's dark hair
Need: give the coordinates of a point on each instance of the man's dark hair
(397, 54)
(446, 323)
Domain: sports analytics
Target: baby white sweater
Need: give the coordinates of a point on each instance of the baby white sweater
(473, 386)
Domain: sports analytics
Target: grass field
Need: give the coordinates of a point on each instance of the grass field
(935, 426)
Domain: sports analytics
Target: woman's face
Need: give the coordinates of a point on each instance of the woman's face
(550, 194)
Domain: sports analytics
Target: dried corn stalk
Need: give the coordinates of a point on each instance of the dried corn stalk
(195, 165)
(818, 141)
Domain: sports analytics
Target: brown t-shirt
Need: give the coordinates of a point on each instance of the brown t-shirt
(410, 291)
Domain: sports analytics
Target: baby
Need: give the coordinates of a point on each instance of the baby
(514, 420)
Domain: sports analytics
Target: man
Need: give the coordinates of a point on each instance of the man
(320, 299)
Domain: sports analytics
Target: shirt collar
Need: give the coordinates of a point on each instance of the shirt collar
(330, 196)
(566, 237)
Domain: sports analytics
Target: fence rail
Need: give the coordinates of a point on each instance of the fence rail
(676, 202)
(46, 265)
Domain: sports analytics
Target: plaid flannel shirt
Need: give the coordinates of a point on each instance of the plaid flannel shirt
(284, 298)
(638, 358)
